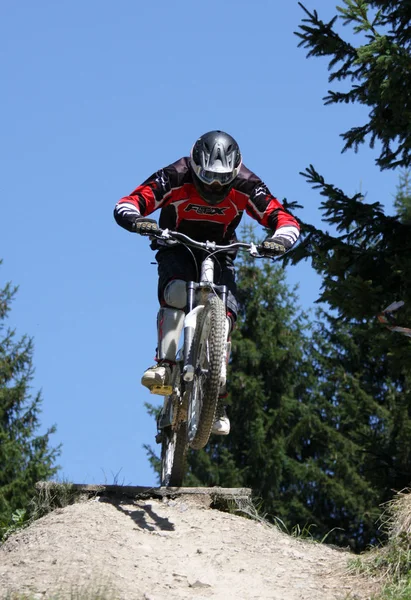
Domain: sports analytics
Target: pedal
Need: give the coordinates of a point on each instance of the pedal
(162, 390)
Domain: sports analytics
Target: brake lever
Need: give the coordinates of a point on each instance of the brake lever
(254, 251)
(163, 235)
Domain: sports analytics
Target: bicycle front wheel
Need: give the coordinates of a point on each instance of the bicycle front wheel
(173, 436)
(208, 355)
(173, 456)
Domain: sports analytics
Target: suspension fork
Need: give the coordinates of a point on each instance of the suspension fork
(205, 286)
(190, 324)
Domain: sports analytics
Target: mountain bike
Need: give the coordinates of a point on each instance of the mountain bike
(188, 412)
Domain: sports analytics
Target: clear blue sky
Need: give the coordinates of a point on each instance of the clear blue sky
(95, 97)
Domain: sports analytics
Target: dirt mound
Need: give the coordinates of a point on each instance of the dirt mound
(165, 550)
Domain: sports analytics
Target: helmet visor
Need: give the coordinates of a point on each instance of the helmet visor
(210, 177)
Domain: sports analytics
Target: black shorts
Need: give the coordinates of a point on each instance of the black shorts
(179, 263)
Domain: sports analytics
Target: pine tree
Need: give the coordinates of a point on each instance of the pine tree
(25, 457)
(378, 71)
(363, 369)
(365, 264)
(364, 399)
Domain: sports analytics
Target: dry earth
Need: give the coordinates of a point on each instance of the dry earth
(166, 549)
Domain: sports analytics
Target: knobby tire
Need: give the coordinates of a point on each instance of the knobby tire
(208, 354)
(173, 456)
(174, 441)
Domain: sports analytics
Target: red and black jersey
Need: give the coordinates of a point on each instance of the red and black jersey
(182, 209)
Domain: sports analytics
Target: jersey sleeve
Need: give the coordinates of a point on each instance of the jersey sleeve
(144, 200)
(152, 194)
(269, 212)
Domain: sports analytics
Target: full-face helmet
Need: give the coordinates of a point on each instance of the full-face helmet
(215, 161)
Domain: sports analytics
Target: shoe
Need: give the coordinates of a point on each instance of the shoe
(222, 422)
(158, 379)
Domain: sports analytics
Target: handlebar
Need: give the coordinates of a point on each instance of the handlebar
(172, 237)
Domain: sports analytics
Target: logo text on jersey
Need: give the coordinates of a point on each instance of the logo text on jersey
(205, 210)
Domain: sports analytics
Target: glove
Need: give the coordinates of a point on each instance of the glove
(145, 226)
(271, 247)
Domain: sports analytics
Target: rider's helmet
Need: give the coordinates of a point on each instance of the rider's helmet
(215, 161)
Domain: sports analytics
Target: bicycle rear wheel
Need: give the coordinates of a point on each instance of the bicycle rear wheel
(208, 354)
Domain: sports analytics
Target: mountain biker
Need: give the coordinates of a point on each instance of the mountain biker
(204, 196)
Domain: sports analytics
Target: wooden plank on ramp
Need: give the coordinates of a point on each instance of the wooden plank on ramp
(216, 495)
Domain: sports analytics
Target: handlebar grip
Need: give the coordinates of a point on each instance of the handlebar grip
(272, 247)
(146, 226)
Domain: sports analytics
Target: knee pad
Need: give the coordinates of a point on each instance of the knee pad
(175, 293)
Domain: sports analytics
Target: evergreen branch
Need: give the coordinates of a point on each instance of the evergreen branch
(340, 209)
(338, 97)
(357, 12)
(355, 137)
(366, 260)
(396, 15)
(322, 39)
(379, 71)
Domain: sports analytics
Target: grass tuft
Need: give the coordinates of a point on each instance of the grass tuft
(49, 496)
(52, 495)
(252, 509)
(390, 564)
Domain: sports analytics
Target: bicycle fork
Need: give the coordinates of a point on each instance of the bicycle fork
(206, 287)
